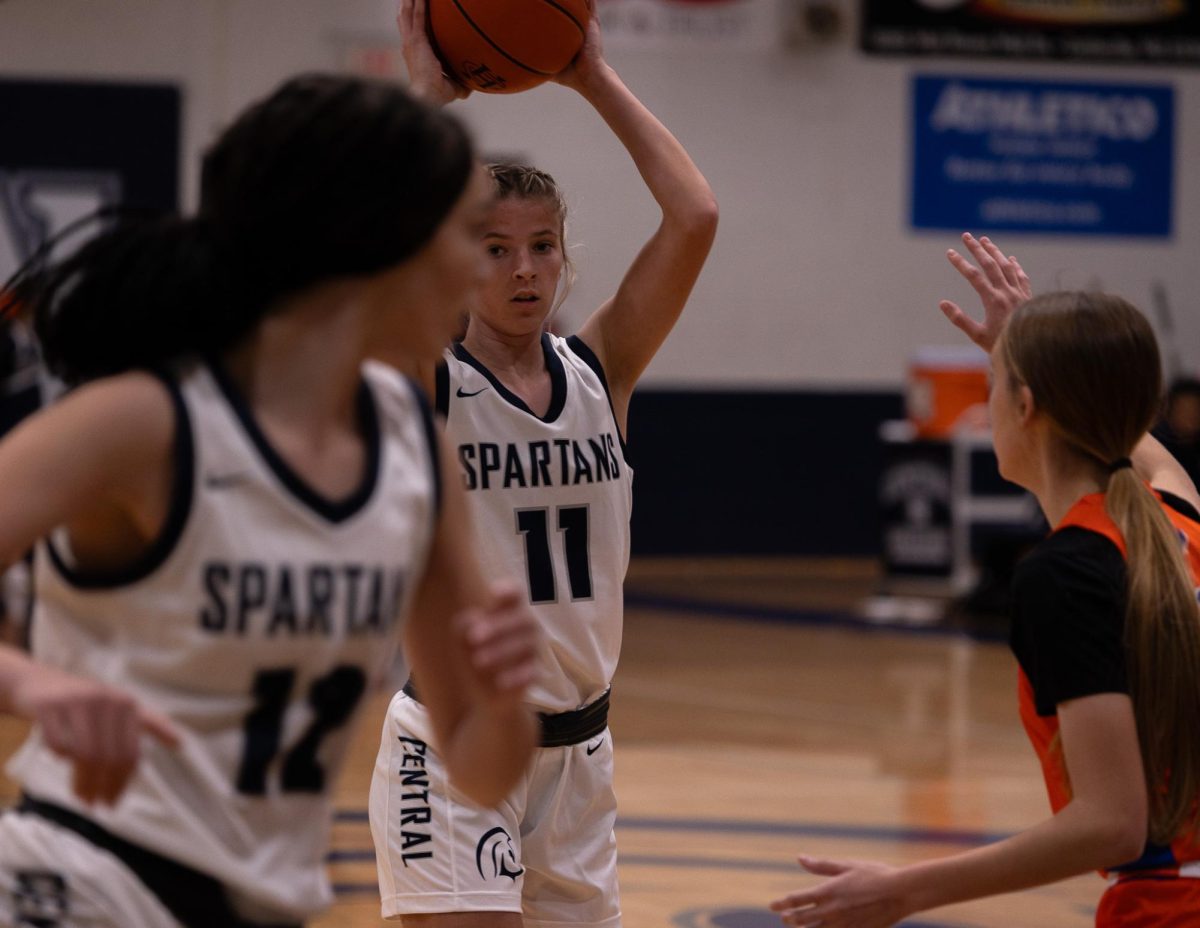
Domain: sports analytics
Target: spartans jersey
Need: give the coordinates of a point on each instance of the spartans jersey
(257, 623)
(550, 500)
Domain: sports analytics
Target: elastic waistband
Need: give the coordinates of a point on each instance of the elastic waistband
(560, 729)
(196, 899)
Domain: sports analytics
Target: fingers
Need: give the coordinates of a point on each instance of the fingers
(158, 727)
(99, 730)
(964, 323)
(822, 867)
(803, 909)
(973, 275)
(503, 641)
(100, 739)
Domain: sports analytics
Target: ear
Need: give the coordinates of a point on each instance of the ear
(1027, 409)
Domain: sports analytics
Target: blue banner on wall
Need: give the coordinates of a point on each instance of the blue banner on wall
(1066, 158)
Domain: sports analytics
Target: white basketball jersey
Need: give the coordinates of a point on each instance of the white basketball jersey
(257, 624)
(550, 500)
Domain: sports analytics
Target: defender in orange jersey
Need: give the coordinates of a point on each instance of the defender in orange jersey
(1106, 624)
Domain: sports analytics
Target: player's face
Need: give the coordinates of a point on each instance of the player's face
(522, 249)
(427, 295)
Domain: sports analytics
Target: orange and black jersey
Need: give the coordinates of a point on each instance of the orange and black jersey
(1069, 598)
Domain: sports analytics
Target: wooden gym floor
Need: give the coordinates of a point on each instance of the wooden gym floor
(755, 718)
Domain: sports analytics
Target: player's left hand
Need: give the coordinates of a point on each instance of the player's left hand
(590, 59)
(858, 895)
(503, 640)
(999, 280)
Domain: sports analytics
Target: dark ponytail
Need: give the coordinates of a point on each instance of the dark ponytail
(329, 177)
(143, 291)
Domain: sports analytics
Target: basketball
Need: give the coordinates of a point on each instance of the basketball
(506, 46)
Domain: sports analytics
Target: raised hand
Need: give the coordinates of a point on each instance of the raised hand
(96, 727)
(502, 642)
(858, 895)
(1002, 286)
(590, 58)
(427, 78)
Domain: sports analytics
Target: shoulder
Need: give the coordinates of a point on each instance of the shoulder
(1070, 558)
(1069, 617)
(137, 406)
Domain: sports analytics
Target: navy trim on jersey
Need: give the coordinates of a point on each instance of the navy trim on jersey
(558, 380)
(332, 510)
(441, 389)
(196, 899)
(182, 493)
(431, 439)
(580, 347)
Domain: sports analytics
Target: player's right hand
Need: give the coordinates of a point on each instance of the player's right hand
(96, 727)
(427, 78)
(1002, 286)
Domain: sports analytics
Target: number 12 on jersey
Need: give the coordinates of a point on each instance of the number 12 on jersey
(572, 525)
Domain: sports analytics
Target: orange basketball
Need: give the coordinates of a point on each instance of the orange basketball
(505, 46)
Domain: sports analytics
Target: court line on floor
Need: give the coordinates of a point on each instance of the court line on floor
(795, 616)
(882, 833)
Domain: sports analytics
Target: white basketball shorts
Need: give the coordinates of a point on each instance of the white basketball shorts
(548, 851)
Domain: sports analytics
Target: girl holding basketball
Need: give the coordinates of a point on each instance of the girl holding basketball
(538, 424)
(1106, 626)
(234, 513)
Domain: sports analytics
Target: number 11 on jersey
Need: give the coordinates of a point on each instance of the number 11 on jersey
(572, 525)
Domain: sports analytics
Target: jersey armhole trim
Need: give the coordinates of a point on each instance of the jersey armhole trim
(441, 389)
(1180, 505)
(182, 493)
(580, 348)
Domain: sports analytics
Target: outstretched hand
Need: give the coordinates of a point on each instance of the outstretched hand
(96, 727)
(857, 895)
(1002, 286)
(503, 640)
(426, 76)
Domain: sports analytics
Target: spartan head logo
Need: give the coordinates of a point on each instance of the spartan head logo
(40, 899)
(495, 857)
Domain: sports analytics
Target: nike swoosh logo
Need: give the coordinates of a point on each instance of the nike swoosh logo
(593, 748)
(462, 392)
(225, 481)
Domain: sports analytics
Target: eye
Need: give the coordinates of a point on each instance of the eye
(543, 247)
(495, 251)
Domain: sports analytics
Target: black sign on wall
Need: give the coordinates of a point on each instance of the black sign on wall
(1160, 31)
(67, 149)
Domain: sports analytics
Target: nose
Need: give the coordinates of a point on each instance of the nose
(523, 268)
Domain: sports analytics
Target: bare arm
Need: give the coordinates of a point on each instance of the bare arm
(629, 328)
(1158, 467)
(1104, 825)
(474, 652)
(102, 458)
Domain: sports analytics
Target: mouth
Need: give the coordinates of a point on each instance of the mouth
(525, 297)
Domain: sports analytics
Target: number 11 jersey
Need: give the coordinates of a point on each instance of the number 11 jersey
(550, 499)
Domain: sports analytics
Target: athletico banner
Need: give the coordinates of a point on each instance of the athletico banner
(1073, 158)
(1165, 31)
(662, 24)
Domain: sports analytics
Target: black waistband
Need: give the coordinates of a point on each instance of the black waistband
(560, 729)
(194, 898)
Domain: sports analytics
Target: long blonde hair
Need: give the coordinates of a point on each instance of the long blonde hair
(1092, 364)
